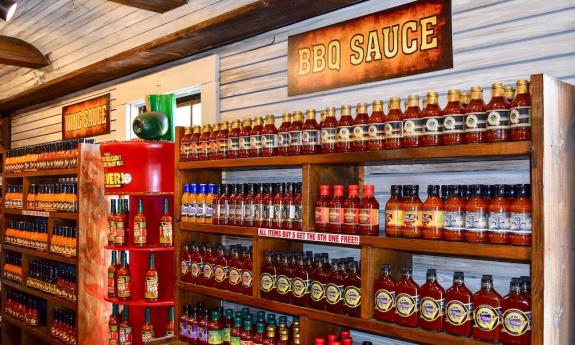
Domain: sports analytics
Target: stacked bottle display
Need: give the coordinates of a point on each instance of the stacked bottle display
(13, 267)
(64, 240)
(58, 155)
(54, 279)
(499, 214)
(466, 119)
(30, 234)
(60, 197)
(269, 205)
(218, 267)
(63, 326)
(120, 278)
(26, 308)
(14, 196)
(198, 325)
(312, 281)
(121, 330)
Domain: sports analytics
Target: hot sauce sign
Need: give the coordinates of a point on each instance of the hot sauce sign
(87, 118)
(405, 40)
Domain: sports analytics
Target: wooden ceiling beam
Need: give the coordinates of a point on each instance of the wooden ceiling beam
(16, 52)
(159, 6)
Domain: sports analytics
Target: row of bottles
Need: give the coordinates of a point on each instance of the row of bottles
(504, 118)
(13, 267)
(498, 214)
(217, 267)
(333, 339)
(484, 315)
(312, 281)
(60, 197)
(64, 240)
(120, 278)
(30, 234)
(63, 326)
(58, 155)
(14, 196)
(350, 216)
(54, 279)
(121, 331)
(198, 325)
(26, 308)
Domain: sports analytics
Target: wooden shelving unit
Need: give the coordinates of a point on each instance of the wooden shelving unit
(551, 161)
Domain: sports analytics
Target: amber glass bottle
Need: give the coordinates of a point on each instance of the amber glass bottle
(394, 212)
(475, 117)
(329, 132)
(375, 131)
(433, 214)
(393, 127)
(498, 128)
(412, 123)
(453, 119)
(310, 135)
(433, 121)
(520, 116)
(360, 136)
(344, 130)
(412, 212)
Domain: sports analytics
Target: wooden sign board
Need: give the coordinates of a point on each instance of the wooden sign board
(87, 118)
(409, 39)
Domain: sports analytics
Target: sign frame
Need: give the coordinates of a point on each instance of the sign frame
(102, 129)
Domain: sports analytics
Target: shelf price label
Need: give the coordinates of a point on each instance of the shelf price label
(35, 213)
(310, 236)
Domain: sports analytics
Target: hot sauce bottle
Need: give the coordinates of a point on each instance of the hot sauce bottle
(244, 139)
(432, 303)
(240, 208)
(221, 270)
(269, 205)
(458, 308)
(475, 117)
(166, 231)
(319, 278)
(499, 217)
(213, 142)
(268, 278)
(208, 263)
(335, 223)
(300, 284)
(247, 334)
(297, 203)
(360, 133)
(432, 213)
(454, 215)
(196, 265)
(215, 328)
(412, 212)
(204, 143)
(112, 222)
(140, 229)
(283, 281)
(125, 329)
(334, 289)
(329, 132)
(185, 144)
(345, 130)
(152, 282)
(259, 205)
(376, 128)
(260, 333)
(520, 234)
(283, 135)
(407, 301)
(394, 212)
(124, 279)
(368, 212)
(269, 137)
(453, 119)
(280, 209)
(498, 123)
(247, 274)
(112, 276)
(516, 319)
(147, 328)
(233, 141)
(113, 326)
(310, 134)
(476, 216)
(295, 131)
(487, 313)
(520, 116)
(256, 137)
(433, 125)
(222, 142)
(352, 291)
(235, 273)
(412, 123)
(393, 126)
(351, 210)
(384, 288)
(121, 223)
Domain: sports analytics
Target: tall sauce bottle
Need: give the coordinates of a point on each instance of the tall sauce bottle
(256, 137)
(213, 142)
(310, 134)
(234, 140)
(520, 116)
(433, 117)
(300, 284)
(487, 313)
(283, 281)
(319, 278)
(244, 139)
(283, 135)
(204, 143)
(268, 278)
(393, 126)
(352, 291)
(454, 215)
(412, 212)
(394, 212)
(385, 287)
(412, 123)
(520, 233)
(376, 129)
(499, 217)
(516, 320)
(407, 300)
(344, 130)
(185, 144)
(432, 214)
(498, 127)
(350, 210)
(247, 272)
(453, 119)
(334, 289)
(295, 134)
(476, 216)
(269, 137)
(432, 303)
(335, 224)
(458, 308)
(368, 212)
(222, 142)
(360, 134)
(329, 132)
(475, 117)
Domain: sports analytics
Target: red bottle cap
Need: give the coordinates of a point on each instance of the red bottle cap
(324, 190)
(353, 191)
(347, 341)
(346, 333)
(338, 190)
(368, 190)
(331, 337)
(319, 341)
(336, 343)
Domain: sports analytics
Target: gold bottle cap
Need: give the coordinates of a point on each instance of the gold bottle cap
(235, 124)
(345, 110)
(247, 122)
(477, 92)
(270, 119)
(509, 92)
(432, 97)
(258, 121)
(522, 86)
(330, 111)
(361, 108)
(310, 114)
(187, 130)
(377, 105)
(453, 95)
(322, 115)
(464, 97)
(286, 117)
(412, 101)
(196, 129)
(394, 103)
(216, 127)
(206, 128)
(297, 116)
(224, 126)
(271, 331)
(497, 90)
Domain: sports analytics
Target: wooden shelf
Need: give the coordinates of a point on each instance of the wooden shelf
(47, 214)
(40, 294)
(39, 254)
(51, 172)
(219, 229)
(141, 302)
(42, 332)
(141, 249)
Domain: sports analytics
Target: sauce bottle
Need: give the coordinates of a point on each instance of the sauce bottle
(475, 117)
(458, 308)
(350, 210)
(185, 144)
(345, 130)
(111, 222)
(269, 205)
(516, 319)
(280, 209)
(454, 215)
(335, 224)
(520, 116)
(147, 333)
(140, 235)
(247, 273)
(319, 278)
(433, 121)
(295, 131)
(152, 282)
(244, 139)
(298, 211)
(196, 265)
(476, 216)
(260, 333)
(166, 232)
(113, 323)
(256, 137)
(384, 288)
(376, 128)
(368, 212)
(352, 292)
(240, 207)
(123, 279)
(283, 135)
(247, 334)
(121, 224)
(432, 303)
(215, 328)
(268, 278)
(329, 132)
(283, 281)
(235, 272)
(432, 213)
(269, 137)
(193, 144)
(498, 126)
(520, 234)
(310, 134)
(270, 338)
(125, 329)
(453, 119)
(204, 143)
(203, 315)
(360, 133)
(412, 211)
(407, 301)
(221, 269)
(393, 126)
(300, 284)
(394, 212)
(200, 203)
(112, 275)
(233, 142)
(259, 205)
(334, 289)
(213, 142)
(412, 123)
(487, 313)
(499, 219)
(231, 204)
(208, 264)
(193, 203)
(249, 205)
(222, 142)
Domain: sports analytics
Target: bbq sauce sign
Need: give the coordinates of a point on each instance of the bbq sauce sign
(409, 39)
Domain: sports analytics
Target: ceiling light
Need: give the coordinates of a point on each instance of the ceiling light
(7, 9)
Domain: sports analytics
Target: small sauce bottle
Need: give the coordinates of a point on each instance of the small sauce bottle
(458, 308)
(335, 223)
(298, 211)
(453, 119)
(151, 283)
(195, 143)
(454, 215)
(345, 130)
(352, 292)
(498, 126)
(247, 273)
(283, 281)
(208, 273)
(269, 137)
(329, 132)
(256, 137)
(185, 144)
(407, 301)
(520, 234)
(111, 222)
(516, 320)
(204, 143)
(520, 116)
(221, 270)
(351, 210)
(215, 328)
(433, 121)
(259, 205)
(475, 117)
(376, 129)
(234, 140)
(196, 266)
(476, 216)
(310, 134)
(394, 212)
(221, 205)
(360, 133)
(393, 126)
(432, 303)
(384, 288)
(319, 278)
(487, 314)
(334, 289)
(247, 333)
(300, 284)
(432, 213)
(412, 212)
(240, 204)
(295, 131)
(499, 219)
(222, 141)
(185, 264)
(268, 278)
(283, 135)
(235, 272)
(244, 138)
(236, 330)
(289, 206)
(269, 205)
(213, 142)
(368, 212)
(412, 123)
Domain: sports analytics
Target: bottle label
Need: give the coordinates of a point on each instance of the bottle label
(255, 142)
(412, 218)
(361, 132)
(476, 122)
(393, 129)
(521, 223)
(267, 282)
(368, 217)
(194, 332)
(344, 134)
(147, 335)
(244, 143)
(111, 283)
(227, 334)
(120, 233)
(151, 291)
(486, 317)
(384, 300)
(283, 139)
(295, 138)
(239, 211)
(406, 305)
(413, 127)
(279, 213)
(432, 218)
(259, 212)
(203, 334)
(475, 221)
(235, 276)
(453, 123)
(111, 230)
(208, 271)
(328, 135)
(222, 146)
(498, 119)
(433, 125)
(213, 146)
(283, 284)
(394, 217)
(166, 233)
(498, 221)
(351, 216)
(431, 309)
(516, 322)
(140, 233)
(216, 336)
(247, 279)
(269, 141)
(125, 335)
(200, 211)
(336, 215)
(234, 144)
(123, 283)
(197, 269)
(376, 131)
(352, 297)
(184, 329)
(209, 210)
(457, 313)
(299, 287)
(321, 215)
(333, 293)
(520, 117)
(114, 335)
(235, 341)
(454, 220)
(192, 209)
(317, 291)
(220, 273)
(310, 137)
(246, 342)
